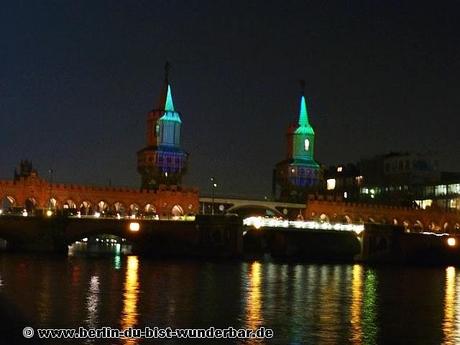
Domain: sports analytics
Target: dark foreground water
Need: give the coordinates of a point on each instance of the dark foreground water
(302, 303)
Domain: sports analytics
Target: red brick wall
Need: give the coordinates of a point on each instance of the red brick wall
(430, 219)
(163, 199)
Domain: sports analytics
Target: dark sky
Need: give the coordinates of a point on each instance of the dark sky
(77, 79)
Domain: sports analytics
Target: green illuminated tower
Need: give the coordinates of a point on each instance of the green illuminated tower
(162, 161)
(299, 172)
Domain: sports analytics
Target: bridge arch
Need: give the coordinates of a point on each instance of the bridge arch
(52, 203)
(177, 211)
(418, 225)
(8, 202)
(102, 206)
(86, 207)
(150, 209)
(119, 208)
(31, 204)
(69, 204)
(254, 209)
(134, 209)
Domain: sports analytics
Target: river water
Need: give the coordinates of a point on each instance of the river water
(302, 303)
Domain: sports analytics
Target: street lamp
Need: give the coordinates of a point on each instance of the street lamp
(213, 187)
(49, 212)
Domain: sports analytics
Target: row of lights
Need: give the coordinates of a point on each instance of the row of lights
(259, 222)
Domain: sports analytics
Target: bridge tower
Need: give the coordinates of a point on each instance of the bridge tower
(162, 161)
(299, 172)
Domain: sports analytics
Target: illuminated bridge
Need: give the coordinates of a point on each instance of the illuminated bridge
(250, 207)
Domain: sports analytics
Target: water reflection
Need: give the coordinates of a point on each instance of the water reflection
(129, 317)
(369, 318)
(303, 304)
(92, 302)
(44, 298)
(254, 304)
(329, 307)
(356, 305)
(449, 325)
(117, 262)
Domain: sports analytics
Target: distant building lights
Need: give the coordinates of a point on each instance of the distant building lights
(97, 214)
(134, 226)
(339, 169)
(1, 211)
(345, 195)
(25, 213)
(49, 213)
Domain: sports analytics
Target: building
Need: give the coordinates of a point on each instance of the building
(162, 161)
(395, 178)
(343, 181)
(299, 172)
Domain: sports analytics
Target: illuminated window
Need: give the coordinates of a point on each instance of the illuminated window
(345, 195)
(339, 169)
(440, 190)
(454, 188)
(307, 144)
(423, 204)
(330, 184)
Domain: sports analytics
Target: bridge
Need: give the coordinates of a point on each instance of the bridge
(206, 236)
(249, 207)
(35, 194)
(436, 220)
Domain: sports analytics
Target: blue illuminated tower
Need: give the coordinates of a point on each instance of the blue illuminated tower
(299, 172)
(162, 161)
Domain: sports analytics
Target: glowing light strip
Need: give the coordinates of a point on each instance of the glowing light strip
(259, 222)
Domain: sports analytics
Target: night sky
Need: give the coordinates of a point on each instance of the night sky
(77, 79)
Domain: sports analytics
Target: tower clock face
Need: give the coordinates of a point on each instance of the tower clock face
(307, 144)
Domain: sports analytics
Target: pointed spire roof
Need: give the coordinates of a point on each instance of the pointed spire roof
(169, 105)
(304, 124)
(165, 102)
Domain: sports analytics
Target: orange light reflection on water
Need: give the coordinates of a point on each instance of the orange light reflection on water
(131, 297)
(356, 305)
(254, 304)
(449, 322)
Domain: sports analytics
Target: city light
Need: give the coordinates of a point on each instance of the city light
(259, 222)
(451, 241)
(134, 226)
(49, 213)
(97, 214)
(330, 184)
(25, 213)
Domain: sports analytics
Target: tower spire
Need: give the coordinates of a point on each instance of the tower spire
(303, 113)
(166, 100)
